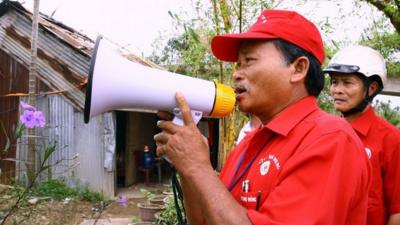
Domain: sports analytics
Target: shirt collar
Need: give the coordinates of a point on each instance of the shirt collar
(287, 119)
(364, 121)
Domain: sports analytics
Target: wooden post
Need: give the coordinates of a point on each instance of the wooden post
(31, 158)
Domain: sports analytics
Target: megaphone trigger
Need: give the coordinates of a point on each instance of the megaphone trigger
(178, 120)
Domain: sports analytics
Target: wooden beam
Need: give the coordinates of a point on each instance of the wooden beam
(392, 87)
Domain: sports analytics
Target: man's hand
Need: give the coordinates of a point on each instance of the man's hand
(394, 219)
(184, 145)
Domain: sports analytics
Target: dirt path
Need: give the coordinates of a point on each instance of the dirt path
(74, 212)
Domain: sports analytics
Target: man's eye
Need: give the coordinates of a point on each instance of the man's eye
(237, 65)
(347, 82)
(250, 59)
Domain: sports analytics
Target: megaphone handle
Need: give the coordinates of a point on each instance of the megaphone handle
(196, 115)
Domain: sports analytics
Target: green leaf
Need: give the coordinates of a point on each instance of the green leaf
(44, 168)
(194, 35)
(19, 130)
(48, 151)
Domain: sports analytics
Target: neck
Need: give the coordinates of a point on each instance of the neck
(280, 108)
(350, 118)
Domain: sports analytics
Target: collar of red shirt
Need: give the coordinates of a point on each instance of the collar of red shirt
(287, 119)
(364, 121)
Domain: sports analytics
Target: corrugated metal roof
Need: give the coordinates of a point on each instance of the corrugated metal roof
(63, 32)
(63, 53)
(62, 65)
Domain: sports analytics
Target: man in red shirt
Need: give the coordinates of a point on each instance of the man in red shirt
(302, 166)
(358, 74)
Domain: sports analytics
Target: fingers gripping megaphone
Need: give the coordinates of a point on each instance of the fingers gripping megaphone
(115, 82)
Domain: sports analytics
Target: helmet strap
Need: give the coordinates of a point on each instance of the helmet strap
(359, 108)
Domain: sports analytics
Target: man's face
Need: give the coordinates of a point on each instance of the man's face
(261, 79)
(347, 91)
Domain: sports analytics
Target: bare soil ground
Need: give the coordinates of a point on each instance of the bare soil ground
(72, 212)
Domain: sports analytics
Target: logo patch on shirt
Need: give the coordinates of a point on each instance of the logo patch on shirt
(265, 164)
(264, 168)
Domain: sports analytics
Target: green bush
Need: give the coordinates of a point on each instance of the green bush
(90, 196)
(386, 111)
(168, 216)
(57, 189)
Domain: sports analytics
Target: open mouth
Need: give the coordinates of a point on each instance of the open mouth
(239, 89)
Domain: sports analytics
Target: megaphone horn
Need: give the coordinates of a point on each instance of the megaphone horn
(114, 82)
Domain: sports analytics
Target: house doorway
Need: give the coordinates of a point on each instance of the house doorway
(136, 130)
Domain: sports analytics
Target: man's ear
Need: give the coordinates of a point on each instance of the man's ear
(300, 69)
(373, 88)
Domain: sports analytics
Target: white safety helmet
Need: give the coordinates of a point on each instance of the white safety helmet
(359, 59)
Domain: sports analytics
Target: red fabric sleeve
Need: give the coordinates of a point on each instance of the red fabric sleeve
(320, 184)
(391, 173)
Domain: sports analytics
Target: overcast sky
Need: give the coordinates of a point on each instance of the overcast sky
(136, 23)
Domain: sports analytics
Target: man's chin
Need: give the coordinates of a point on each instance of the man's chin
(340, 109)
(244, 108)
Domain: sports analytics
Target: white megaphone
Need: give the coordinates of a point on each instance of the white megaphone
(115, 82)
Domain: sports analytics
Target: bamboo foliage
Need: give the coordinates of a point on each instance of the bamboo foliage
(222, 15)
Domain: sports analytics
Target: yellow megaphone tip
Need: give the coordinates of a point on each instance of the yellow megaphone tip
(225, 100)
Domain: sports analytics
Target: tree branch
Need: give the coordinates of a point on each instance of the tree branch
(391, 11)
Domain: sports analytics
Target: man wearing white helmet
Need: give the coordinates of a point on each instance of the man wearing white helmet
(358, 74)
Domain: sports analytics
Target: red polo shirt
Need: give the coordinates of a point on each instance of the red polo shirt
(382, 141)
(308, 168)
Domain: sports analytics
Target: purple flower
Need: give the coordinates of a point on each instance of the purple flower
(39, 119)
(26, 106)
(122, 201)
(27, 119)
(32, 118)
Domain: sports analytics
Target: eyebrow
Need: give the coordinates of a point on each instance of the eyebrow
(344, 78)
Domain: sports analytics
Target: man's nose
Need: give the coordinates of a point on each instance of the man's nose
(237, 74)
(337, 88)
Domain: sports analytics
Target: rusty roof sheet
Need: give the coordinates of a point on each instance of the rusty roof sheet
(59, 67)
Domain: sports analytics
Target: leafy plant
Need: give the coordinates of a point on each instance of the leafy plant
(31, 118)
(135, 219)
(57, 189)
(88, 195)
(168, 216)
(324, 99)
(385, 110)
(146, 193)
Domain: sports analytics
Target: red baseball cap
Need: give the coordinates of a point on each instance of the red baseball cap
(287, 25)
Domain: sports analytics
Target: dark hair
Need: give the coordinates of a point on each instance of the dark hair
(315, 78)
